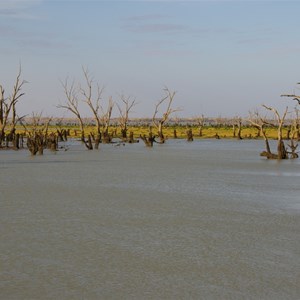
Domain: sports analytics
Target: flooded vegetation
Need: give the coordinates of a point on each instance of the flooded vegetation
(161, 210)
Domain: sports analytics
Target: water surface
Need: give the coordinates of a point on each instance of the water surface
(203, 220)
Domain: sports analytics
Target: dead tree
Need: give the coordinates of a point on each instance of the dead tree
(297, 124)
(2, 99)
(159, 122)
(294, 136)
(93, 102)
(237, 124)
(35, 136)
(292, 145)
(294, 96)
(200, 122)
(38, 137)
(128, 104)
(259, 122)
(8, 107)
(105, 121)
(297, 99)
(148, 140)
(62, 134)
(72, 104)
(281, 151)
(189, 134)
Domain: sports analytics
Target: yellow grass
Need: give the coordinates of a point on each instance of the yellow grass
(207, 131)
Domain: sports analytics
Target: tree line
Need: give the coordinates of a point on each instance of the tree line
(37, 136)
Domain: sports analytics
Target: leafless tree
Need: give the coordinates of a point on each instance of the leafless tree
(38, 137)
(148, 140)
(296, 122)
(92, 95)
(124, 111)
(260, 122)
(72, 104)
(200, 122)
(294, 135)
(8, 106)
(92, 101)
(294, 96)
(189, 134)
(105, 120)
(237, 124)
(281, 151)
(159, 122)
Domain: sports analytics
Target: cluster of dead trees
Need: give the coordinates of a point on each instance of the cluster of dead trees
(91, 94)
(35, 134)
(284, 151)
(37, 137)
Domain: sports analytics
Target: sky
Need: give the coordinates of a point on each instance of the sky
(223, 58)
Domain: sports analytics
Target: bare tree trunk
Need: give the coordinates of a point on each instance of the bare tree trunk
(239, 134)
(16, 144)
(124, 115)
(131, 138)
(148, 140)
(190, 137)
(293, 149)
(160, 132)
(97, 141)
(175, 134)
(8, 105)
(158, 123)
(233, 130)
(281, 150)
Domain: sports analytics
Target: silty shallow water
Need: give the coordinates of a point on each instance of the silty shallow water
(202, 220)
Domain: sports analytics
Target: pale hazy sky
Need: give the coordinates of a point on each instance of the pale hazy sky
(222, 57)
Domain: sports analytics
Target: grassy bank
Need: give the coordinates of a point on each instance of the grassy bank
(207, 131)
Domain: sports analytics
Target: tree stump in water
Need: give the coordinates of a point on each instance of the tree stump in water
(190, 137)
(175, 134)
(131, 138)
(16, 141)
(97, 141)
(282, 154)
(148, 140)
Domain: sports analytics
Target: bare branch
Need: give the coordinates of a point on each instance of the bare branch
(169, 110)
(87, 93)
(71, 103)
(9, 105)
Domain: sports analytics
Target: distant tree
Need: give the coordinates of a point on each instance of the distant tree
(124, 111)
(200, 122)
(105, 120)
(260, 122)
(237, 124)
(72, 104)
(281, 150)
(93, 102)
(159, 122)
(8, 107)
(296, 122)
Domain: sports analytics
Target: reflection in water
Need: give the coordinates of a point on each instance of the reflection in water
(201, 220)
